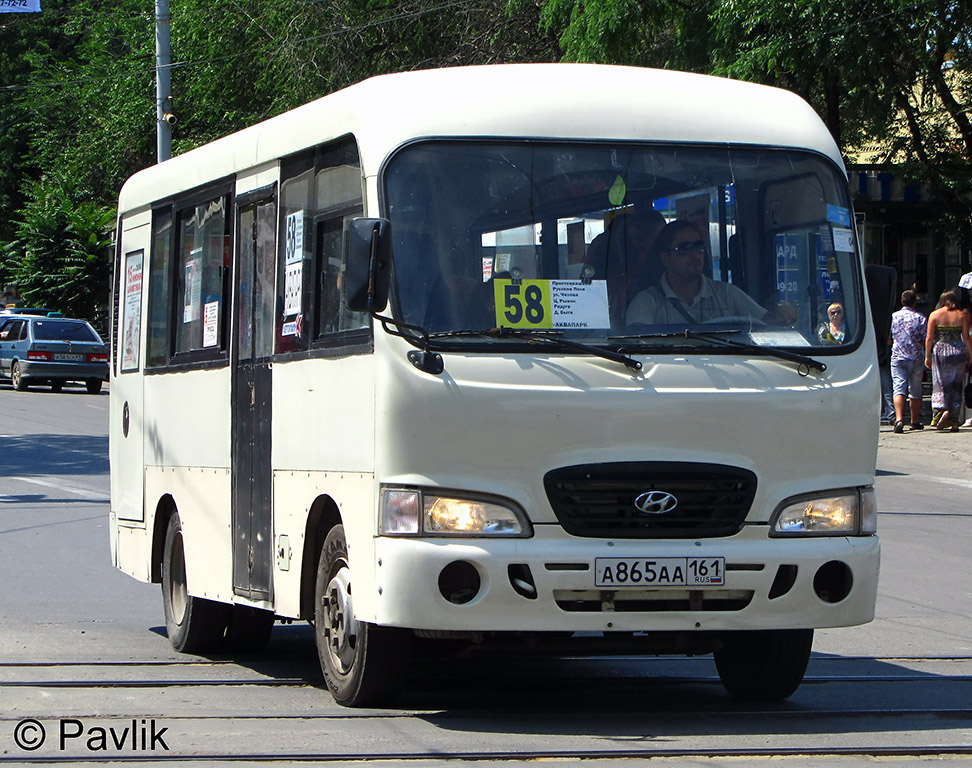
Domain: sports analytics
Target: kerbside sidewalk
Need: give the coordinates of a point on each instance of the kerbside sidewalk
(941, 453)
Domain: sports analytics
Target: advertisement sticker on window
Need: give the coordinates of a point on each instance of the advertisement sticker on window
(132, 320)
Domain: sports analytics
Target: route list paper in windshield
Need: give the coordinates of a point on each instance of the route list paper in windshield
(551, 304)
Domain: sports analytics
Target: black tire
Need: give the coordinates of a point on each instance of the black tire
(57, 385)
(766, 665)
(93, 386)
(363, 664)
(249, 629)
(194, 625)
(17, 377)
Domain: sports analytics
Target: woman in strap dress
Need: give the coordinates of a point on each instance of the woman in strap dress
(948, 350)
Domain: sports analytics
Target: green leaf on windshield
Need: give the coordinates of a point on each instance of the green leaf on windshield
(617, 192)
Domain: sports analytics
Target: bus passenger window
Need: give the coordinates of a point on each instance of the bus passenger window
(160, 284)
(320, 192)
(202, 262)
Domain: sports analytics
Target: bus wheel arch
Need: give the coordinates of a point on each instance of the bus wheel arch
(164, 509)
(321, 518)
(193, 624)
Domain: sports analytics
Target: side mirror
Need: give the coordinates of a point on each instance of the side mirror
(367, 265)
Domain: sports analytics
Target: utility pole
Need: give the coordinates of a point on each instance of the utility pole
(163, 85)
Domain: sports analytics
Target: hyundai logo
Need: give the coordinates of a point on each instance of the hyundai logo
(656, 502)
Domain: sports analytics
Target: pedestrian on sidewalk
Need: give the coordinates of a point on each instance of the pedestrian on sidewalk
(948, 350)
(909, 328)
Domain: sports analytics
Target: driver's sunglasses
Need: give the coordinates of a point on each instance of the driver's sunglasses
(689, 246)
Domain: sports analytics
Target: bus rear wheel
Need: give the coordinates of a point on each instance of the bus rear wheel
(763, 665)
(194, 625)
(363, 664)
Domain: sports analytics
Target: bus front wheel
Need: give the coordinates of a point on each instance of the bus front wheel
(194, 625)
(763, 665)
(363, 664)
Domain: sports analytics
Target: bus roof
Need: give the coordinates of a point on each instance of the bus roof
(559, 101)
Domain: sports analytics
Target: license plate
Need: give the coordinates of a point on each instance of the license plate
(659, 571)
(68, 357)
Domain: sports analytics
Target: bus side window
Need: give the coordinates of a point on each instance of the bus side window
(321, 190)
(160, 287)
(200, 306)
(337, 199)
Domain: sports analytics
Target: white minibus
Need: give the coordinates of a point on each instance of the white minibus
(572, 358)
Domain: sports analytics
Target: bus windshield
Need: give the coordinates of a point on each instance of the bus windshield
(638, 245)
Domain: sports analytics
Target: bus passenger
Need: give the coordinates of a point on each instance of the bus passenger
(625, 256)
(834, 329)
(686, 294)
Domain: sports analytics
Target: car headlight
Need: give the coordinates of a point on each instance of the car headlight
(849, 512)
(418, 512)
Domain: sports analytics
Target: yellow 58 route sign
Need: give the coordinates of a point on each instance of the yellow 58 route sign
(551, 304)
(523, 305)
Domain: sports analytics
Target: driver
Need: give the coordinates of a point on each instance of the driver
(686, 294)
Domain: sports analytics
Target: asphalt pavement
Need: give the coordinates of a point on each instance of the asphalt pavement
(943, 453)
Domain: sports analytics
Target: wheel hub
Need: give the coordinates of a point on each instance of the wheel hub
(178, 594)
(340, 629)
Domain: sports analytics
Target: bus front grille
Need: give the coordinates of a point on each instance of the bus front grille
(602, 500)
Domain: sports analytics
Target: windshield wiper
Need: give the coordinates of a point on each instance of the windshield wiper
(716, 337)
(794, 357)
(549, 337)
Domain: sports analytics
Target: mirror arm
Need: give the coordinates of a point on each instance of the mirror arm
(426, 360)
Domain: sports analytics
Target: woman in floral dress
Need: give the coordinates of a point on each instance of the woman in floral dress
(948, 349)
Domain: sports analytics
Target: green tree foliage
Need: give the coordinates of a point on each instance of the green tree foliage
(60, 259)
(892, 73)
(77, 99)
(644, 33)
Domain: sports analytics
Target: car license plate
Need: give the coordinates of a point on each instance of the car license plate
(68, 357)
(659, 571)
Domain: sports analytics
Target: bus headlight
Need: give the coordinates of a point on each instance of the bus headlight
(849, 512)
(455, 515)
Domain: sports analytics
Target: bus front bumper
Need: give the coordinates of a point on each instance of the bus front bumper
(547, 583)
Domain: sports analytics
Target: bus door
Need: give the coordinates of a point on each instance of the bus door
(253, 345)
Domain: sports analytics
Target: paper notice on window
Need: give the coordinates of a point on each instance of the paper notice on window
(294, 264)
(293, 284)
(211, 324)
(843, 239)
(193, 295)
(577, 305)
(295, 237)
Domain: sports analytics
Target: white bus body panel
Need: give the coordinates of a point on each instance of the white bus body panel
(324, 416)
(202, 496)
